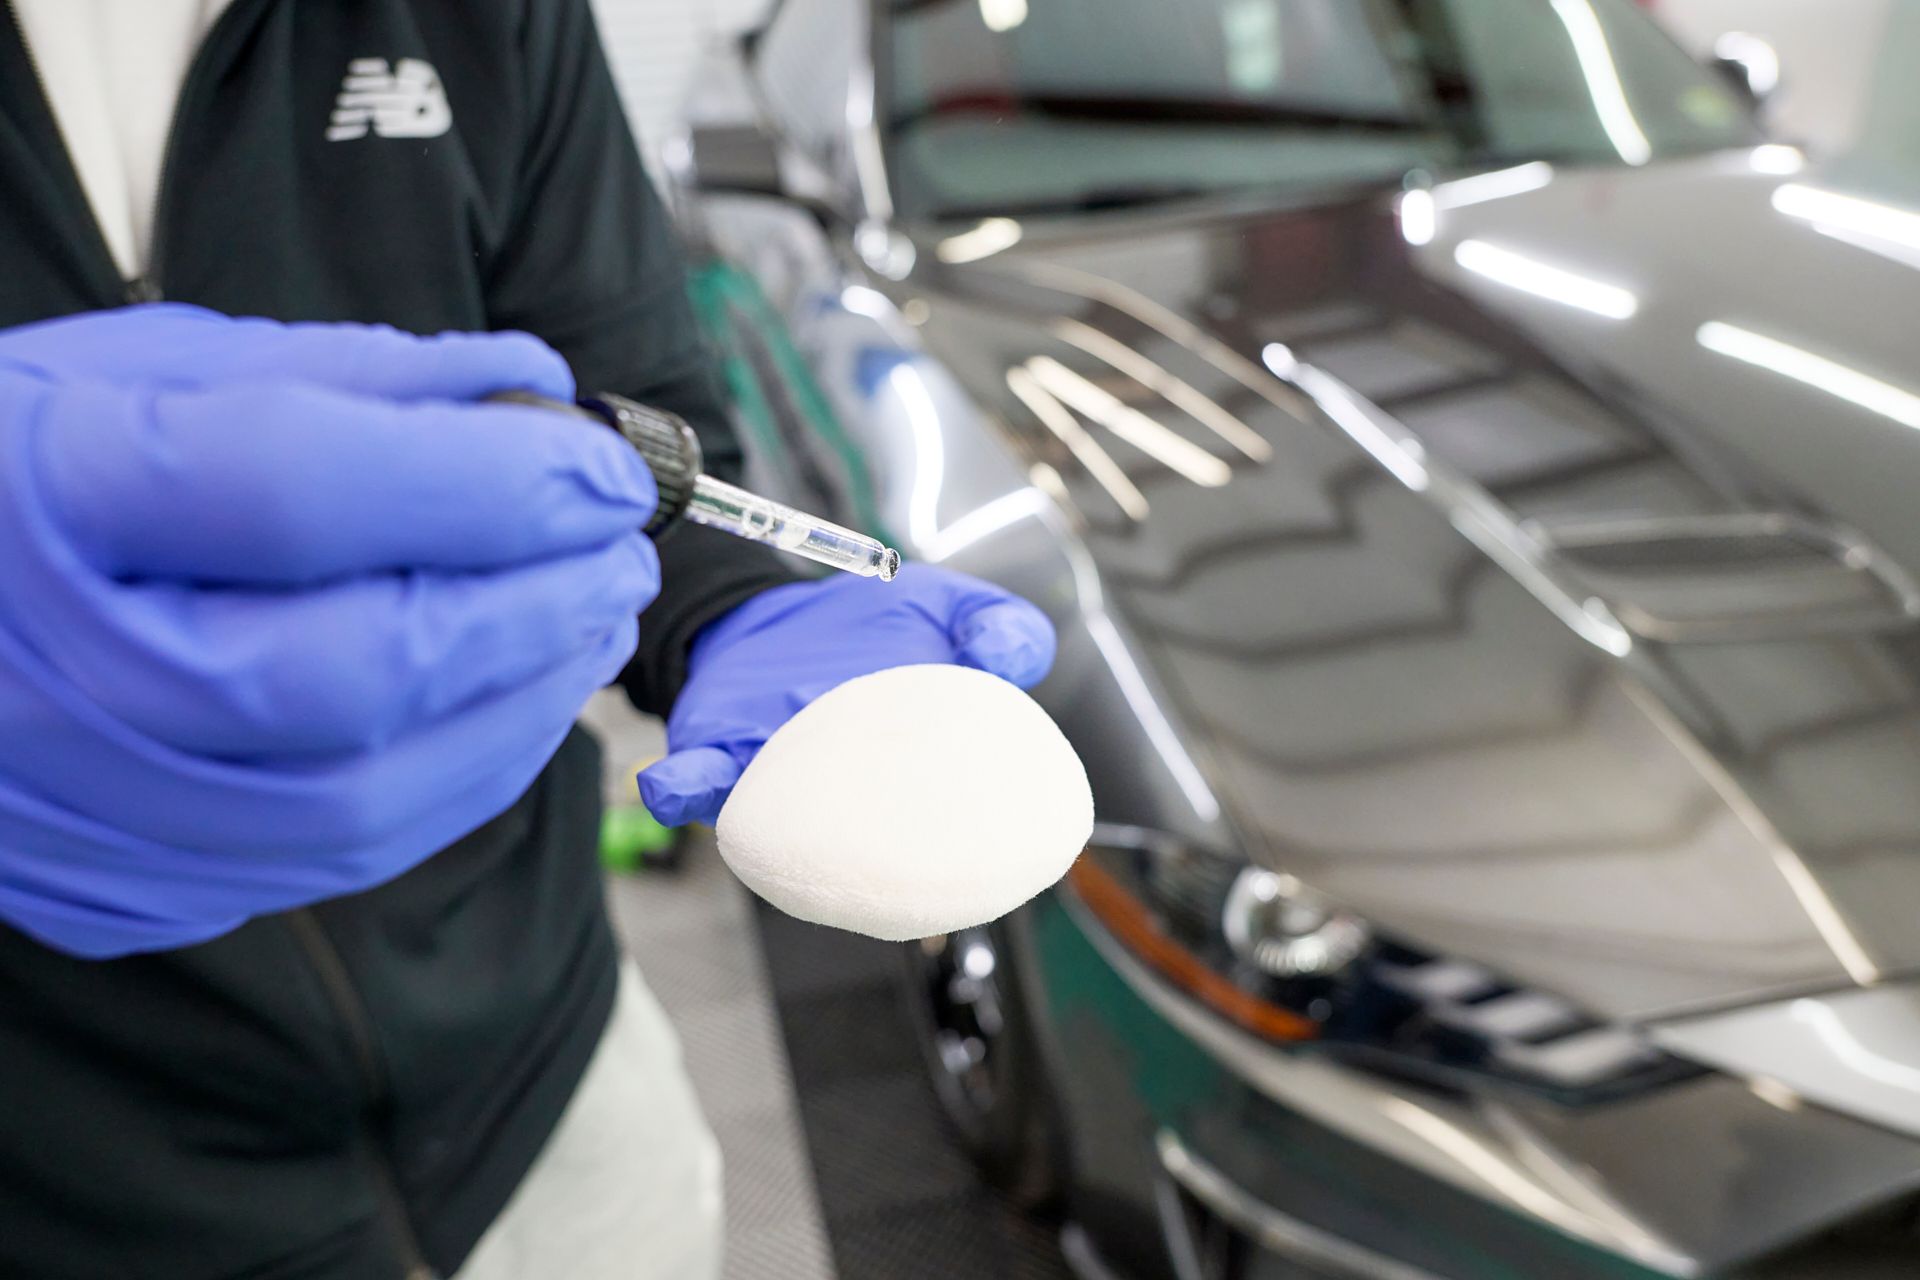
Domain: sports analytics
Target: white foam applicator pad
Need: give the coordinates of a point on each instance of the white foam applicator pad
(914, 801)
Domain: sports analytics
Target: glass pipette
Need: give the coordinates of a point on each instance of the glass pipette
(672, 452)
(719, 505)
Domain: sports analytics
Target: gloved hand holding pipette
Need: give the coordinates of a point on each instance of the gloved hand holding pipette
(283, 611)
(672, 452)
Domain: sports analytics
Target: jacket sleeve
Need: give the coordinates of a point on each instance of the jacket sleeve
(590, 264)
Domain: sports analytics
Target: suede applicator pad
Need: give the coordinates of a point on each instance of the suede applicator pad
(910, 802)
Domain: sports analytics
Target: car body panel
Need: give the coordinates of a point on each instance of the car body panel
(1508, 555)
(1376, 1161)
(1854, 1051)
(1427, 742)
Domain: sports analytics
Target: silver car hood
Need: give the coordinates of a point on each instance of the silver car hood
(1546, 635)
(1854, 1052)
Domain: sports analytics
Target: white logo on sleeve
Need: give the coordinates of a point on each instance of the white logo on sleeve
(405, 100)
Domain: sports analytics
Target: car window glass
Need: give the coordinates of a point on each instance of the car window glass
(1316, 51)
(1580, 77)
(1010, 107)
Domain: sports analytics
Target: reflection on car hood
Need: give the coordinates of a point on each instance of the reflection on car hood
(1526, 559)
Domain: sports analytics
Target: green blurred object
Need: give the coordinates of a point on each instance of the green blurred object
(630, 838)
(738, 319)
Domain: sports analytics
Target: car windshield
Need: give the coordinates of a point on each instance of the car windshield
(1030, 106)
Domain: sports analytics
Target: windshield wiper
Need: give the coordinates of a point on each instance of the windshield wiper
(1154, 110)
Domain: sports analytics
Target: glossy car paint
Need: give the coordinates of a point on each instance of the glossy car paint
(1519, 558)
(1458, 1186)
(1854, 1051)
(1405, 692)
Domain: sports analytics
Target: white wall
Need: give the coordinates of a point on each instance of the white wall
(654, 45)
(1829, 50)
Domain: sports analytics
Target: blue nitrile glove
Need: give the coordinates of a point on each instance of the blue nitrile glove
(282, 612)
(754, 668)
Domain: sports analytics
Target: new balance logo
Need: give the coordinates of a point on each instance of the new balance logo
(405, 100)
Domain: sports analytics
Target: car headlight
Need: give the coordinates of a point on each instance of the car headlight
(1255, 947)
(1267, 953)
(1285, 930)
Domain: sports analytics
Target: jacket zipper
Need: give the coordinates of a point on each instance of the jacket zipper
(145, 287)
(352, 1012)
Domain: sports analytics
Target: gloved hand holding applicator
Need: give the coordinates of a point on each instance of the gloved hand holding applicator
(869, 758)
(882, 787)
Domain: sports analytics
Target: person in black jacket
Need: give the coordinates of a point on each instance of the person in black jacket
(356, 1088)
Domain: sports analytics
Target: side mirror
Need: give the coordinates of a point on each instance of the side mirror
(1750, 64)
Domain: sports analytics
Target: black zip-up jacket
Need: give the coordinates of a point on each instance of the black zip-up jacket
(352, 1092)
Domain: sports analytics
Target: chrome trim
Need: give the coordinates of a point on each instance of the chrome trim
(1176, 1231)
(866, 153)
(1082, 1257)
(866, 97)
(1130, 839)
(1268, 1227)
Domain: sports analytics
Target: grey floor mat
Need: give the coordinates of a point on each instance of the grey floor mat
(899, 1200)
(692, 933)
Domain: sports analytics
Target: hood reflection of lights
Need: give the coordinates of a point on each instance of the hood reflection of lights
(871, 303)
(1760, 59)
(1058, 419)
(929, 452)
(983, 522)
(1420, 208)
(1003, 15)
(1132, 681)
(1842, 1044)
(1152, 438)
(1603, 80)
(1196, 404)
(1815, 371)
(1830, 211)
(1777, 159)
(1497, 185)
(1419, 216)
(1555, 284)
(991, 236)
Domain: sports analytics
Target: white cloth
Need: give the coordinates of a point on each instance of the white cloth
(113, 70)
(628, 1187)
